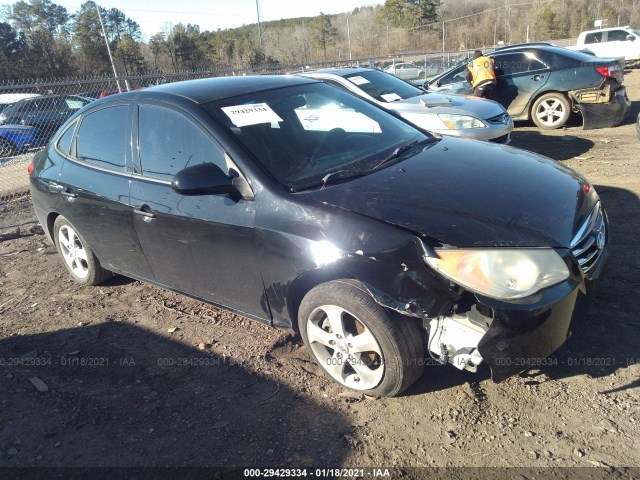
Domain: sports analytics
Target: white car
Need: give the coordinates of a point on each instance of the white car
(612, 42)
(455, 115)
(406, 71)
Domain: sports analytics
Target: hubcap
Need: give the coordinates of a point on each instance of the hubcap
(345, 347)
(550, 112)
(73, 252)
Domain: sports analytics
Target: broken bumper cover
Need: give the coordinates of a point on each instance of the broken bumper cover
(601, 114)
(522, 335)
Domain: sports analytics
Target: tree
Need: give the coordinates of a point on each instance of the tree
(12, 52)
(411, 13)
(325, 33)
(44, 26)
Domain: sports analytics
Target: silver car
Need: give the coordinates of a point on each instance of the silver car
(406, 71)
(468, 117)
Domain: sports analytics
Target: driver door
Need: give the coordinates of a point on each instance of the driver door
(201, 245)
(454, 82)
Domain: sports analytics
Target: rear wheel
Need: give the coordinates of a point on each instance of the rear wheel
(551, 111)
(6, 148)
(80, 261)
(358, 343)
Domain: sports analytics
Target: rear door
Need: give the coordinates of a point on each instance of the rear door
(201, 245)
(520, 75)
(595, 41)
(93, 187)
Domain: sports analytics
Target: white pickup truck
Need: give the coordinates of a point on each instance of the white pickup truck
(612, 42)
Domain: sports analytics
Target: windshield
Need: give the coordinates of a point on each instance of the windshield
(383, 86)
(301, 134)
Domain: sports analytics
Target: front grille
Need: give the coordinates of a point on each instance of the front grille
(588, 244)
(501, 119)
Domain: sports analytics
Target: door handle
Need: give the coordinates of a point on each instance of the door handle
(55, 188)
(146, 216)
(67, 194)
(537, 77)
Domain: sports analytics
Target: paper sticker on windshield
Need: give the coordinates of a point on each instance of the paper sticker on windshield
(251, 114)
(358, 80)
(391, 97)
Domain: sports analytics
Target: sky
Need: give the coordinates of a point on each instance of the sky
(152, 15)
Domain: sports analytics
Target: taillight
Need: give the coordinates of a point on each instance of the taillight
(610, 71)
(30, 168)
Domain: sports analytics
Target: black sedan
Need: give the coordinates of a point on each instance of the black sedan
(379, 242)
(545, 83)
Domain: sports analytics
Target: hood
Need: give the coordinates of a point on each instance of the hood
(453, 104)
(466, 193)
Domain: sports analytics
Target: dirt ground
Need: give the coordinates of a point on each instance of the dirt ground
(138, 376)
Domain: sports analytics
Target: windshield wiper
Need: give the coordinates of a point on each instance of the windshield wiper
(402, 149)
(331, 177)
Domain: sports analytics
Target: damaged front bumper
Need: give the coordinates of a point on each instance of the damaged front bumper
(509, 337)
(601, 108)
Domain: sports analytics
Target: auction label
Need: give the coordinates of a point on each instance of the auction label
(252, 114)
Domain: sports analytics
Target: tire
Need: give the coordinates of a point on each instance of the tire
(6, 148)
(358, 343)
(551, 111)
(76, 256)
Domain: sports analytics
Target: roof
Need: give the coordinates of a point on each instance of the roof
(16, 97)
(341, 72)
(212, 89)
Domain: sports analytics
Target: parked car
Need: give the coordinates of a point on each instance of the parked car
(459, 116)
(615, 42)
(15, 139)
(46, 113)
(379, 246)
(406, 71)
(545, 83)
(7, 99)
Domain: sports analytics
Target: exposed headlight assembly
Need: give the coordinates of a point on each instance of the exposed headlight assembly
(460, 122)
(502, 273)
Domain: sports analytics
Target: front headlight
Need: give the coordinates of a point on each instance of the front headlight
(460, 122)
(502, 273)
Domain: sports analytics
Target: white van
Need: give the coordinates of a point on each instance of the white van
(612, 42)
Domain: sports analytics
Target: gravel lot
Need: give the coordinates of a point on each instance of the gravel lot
(138, 376)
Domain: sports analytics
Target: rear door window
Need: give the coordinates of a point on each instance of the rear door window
(594, 37)
(104, 137)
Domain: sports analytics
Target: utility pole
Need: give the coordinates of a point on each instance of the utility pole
(260, 27)
(106, 40)
(349, 37)
(443, 41)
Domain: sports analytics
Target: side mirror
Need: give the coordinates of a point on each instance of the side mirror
(631, 38)
(439, 83)
(203, 179)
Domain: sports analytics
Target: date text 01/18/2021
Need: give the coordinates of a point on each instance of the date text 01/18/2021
(317, 472)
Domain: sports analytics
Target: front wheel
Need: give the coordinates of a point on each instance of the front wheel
(551, 111)
(80, 261)
(357, 342)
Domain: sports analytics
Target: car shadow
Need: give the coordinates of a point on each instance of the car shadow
(121, 396)
(557, 147)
